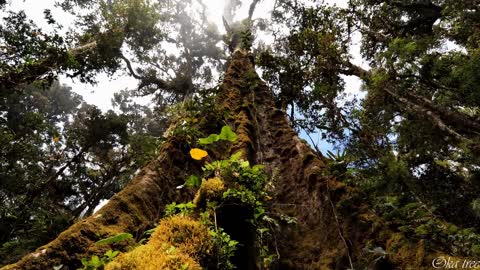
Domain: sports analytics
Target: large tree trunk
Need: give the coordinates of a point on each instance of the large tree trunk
(334, 227)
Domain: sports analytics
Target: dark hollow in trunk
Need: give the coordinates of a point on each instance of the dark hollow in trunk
(234, 220)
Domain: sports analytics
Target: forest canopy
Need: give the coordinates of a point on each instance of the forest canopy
(409, 140)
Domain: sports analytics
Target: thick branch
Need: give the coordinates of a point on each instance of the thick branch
(435, 118)
(453, 117)
(83, 48)
(354, 70)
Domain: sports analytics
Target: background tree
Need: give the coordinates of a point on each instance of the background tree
(60, 158)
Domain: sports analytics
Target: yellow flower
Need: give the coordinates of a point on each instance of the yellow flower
(56, 139)
(198, 154)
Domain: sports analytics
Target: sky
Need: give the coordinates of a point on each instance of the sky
(102, 93)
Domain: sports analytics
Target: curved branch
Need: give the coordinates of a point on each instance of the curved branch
(130, 68)
(251, 10)
(145, 80)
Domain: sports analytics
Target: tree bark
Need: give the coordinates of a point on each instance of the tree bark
(334, 226)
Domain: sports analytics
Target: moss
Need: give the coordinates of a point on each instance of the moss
(327, 261)
(210, 189)
(404, 252)
(177, 243)
(185, 234)
(10, 267)
(149, 257)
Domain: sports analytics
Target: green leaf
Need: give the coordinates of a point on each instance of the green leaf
(95, 261)
(209, 140)
(149, 232)
(110, 254)
(263, 230)
(245, 164)
(258, 212)
(227, 134)
(193, 181)
(331, 155)
(171, 250)
(258, 168)
(236, 156)
(139, 243)
(114, 239)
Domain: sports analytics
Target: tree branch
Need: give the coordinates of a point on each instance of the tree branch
(83, 48)
(145, 80)
(455, 118)
(253, 5)
(435, 118)
(354, 70)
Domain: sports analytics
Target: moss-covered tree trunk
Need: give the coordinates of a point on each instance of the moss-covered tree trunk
(334, 228)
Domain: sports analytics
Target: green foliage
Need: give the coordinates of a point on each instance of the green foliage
(417, 220)
(183, 122)
(60, 157)
(247, 39)
(249, 191)
(243, 196)
(183, 209)
(209, 140)
(193, 181)
(303, 66)
(225, 249)
(412, 137)
(186, 118)
(114, 239)
(98, 263)
(149, 232)
(411, 144)
(247, 188)
(339, 165)
(226, 134)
